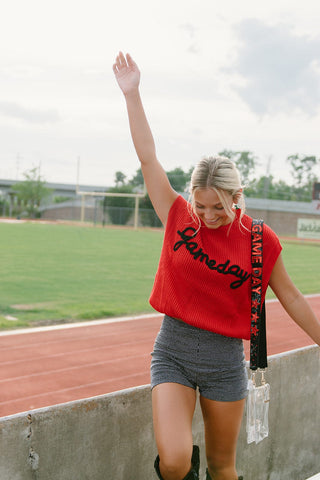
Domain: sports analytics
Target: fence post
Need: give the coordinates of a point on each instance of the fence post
(82, 207)
(136, 212)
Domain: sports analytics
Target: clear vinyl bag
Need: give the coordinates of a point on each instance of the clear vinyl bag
(257, 409)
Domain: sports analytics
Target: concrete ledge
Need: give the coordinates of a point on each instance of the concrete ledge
(110, 436)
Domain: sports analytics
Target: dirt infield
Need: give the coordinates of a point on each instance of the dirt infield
(46, 366)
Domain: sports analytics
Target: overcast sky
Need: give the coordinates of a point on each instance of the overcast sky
(215, 75)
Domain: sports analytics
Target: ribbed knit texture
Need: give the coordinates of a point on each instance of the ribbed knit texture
(205, 281)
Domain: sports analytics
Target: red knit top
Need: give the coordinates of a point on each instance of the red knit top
(203, 276)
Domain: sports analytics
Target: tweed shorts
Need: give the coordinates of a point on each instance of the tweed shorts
(199, 359)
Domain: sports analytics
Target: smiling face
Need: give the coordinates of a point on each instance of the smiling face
(207, 205)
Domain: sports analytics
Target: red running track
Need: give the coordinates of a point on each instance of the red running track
(42, 367)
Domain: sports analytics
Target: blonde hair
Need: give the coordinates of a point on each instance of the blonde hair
(221, 175)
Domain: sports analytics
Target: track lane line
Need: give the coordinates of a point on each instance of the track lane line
(66, 326)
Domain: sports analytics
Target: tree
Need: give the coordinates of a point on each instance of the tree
(119, 208)
(302, 173)
(31, 192)
(178, 179)
(120, 178)
(137, 180)
(148, 215)
(259, 187)
(266, 187)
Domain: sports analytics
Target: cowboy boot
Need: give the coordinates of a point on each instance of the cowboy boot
(209, 478)
(193, 473)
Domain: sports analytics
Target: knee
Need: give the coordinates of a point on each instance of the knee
(175, 464)
(221, 466)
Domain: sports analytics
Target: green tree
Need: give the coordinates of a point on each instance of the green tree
(281, 191)
(302, 168)
(178, 179)
(148, 215)
(61, 199)
(31, 192)
(259, 187)
(118, 208)
(137, 180)
(120, 178)
(302, 172)
(266, 187)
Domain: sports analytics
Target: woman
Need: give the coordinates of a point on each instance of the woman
(203, 288)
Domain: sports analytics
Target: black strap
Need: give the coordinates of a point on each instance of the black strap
(258, 340)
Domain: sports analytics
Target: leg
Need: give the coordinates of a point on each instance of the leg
(173, 407)
(222, 422)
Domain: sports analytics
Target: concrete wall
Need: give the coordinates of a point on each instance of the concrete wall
(283, 223)
(110, 437)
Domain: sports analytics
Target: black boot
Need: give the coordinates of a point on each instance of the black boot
(209, 478)
(194, 472)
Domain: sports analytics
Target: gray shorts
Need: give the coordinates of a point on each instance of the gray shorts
(200, 359)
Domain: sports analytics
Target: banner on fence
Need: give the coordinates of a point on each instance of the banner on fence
(308, 228)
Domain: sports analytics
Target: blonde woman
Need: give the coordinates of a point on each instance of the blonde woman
(202, 287)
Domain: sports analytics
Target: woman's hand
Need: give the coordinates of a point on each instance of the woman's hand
(293, 301)
(127, 73)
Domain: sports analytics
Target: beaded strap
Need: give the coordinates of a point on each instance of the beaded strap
(258, 341)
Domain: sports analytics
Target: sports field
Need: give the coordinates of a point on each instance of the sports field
(53, 273)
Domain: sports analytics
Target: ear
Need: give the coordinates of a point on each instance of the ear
(236, 196)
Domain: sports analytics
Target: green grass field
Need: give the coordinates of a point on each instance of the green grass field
(57, 273)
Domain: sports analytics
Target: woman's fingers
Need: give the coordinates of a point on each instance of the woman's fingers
(130, 61)
(122, 59)
(123, 62)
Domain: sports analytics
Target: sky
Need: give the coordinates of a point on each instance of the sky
(214, 75)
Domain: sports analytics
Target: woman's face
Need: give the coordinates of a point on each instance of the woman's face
(209, 208)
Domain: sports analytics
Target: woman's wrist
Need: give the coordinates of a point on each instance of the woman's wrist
(132, 94)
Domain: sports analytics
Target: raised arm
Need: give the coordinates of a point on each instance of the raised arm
(293, 301)
(158, 186)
